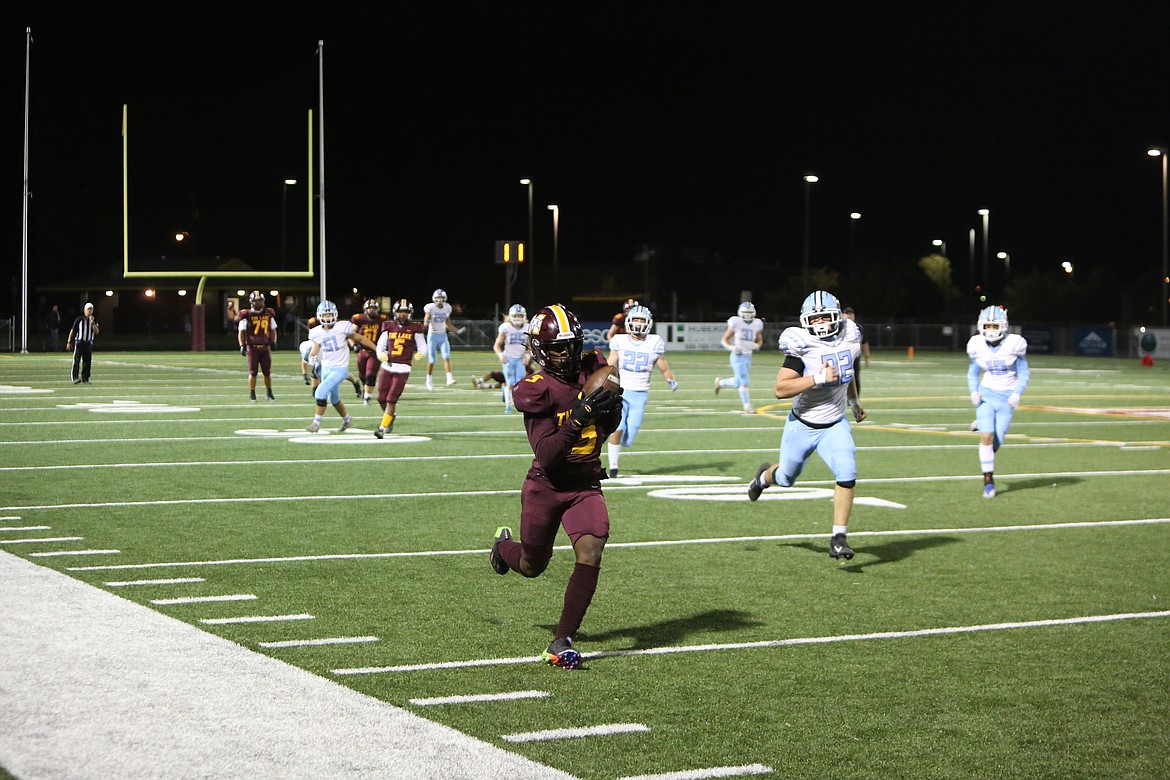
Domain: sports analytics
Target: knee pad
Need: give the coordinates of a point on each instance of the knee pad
(847, 485)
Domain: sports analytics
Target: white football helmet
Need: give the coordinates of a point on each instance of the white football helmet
(639, 320)
(327, 313)
(818, 304)
(518, 315)
(993, 324)
(747, 311)
(439, 296)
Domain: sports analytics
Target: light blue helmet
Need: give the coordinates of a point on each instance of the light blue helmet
(327, 313)
(518, 315)
(817, 304)
(993, 323)
(639, 320)
(747, 311)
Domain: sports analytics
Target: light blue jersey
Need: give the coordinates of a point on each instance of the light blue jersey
(1004, 370)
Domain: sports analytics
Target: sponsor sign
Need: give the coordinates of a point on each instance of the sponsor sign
(1094, 342)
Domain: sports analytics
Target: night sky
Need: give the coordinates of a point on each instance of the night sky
(687, 130)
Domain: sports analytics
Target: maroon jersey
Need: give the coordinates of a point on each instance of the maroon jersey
(368, 326)
(400, 342)
(260, 326)
(567, 457)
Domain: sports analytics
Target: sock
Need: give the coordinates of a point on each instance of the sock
(728, 382)
(615, 453)
(578, 595)
(450, 377)
(986, 458)
(839, 529)
(316, 418)
(507, 396)
(387, 419)
(511, 551)
(743, 396)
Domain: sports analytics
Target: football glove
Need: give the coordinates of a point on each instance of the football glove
(600, 402)
(673, 384)
(1014, 400)
(858, 413)
(243, 350)
(976, 398)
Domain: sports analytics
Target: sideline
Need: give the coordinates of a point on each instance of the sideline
(95, 686)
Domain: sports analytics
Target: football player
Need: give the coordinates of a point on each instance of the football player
(369, 324)
(618, 324)
(1002, 359)
(563, 486)
(398, 343)
(315, 379)
(636, 353)
(436, 322)
(256, 334)
(510, 347)
(818, 376)
(744, 335)
(331, 340)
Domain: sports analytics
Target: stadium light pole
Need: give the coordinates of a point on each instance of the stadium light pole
(556, 220)
(986, 214)
(284, 221)
(809, 181)
(529, 254)
(854, 216)
(1159, 151)
(1007, 267)
(942, 245)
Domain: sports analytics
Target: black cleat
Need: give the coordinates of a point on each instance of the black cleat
(271, 397)
(839, 548)
(251, 395)
(756, 486)
(357, 387)
(560, 653)
(380, 433)
(306, 378)
(503, 534)
(613, 473)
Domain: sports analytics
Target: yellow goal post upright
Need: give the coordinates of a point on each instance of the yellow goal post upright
(198, 318)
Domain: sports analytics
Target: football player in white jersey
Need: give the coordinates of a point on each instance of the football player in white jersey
(1002, 359)
(818, 375)
(437, 321)
(744, 335)
(636, 353)
(510, 347)
(330, 350)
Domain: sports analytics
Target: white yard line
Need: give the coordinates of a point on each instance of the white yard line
(205, 599)
(172, 581)
(96, 686)
(254, 619)
(337, 640)
(619, 545)
(60, 553)
(33, 540)
(576, 733)
(708, 648)
(478, 698)
(706, 774)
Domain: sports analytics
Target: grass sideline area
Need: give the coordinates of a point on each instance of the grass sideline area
(1023, 636)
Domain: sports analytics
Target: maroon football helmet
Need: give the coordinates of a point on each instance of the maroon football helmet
(555, 339)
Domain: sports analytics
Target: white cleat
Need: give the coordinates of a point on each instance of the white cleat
(313, 427)
(346, 424)
(451, 382)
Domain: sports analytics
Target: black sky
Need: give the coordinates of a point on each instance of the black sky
(684, 127)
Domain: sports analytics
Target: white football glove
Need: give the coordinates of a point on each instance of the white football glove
(673, 384)
(312, 362)
(1014, 400)
(976, 398)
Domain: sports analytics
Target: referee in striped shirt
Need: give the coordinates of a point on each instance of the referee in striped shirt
(80, 340)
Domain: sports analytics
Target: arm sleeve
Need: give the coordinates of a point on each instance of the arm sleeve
(794, 363)
(973, 377)
(1022, 375)
(421, 340)
(383, 342)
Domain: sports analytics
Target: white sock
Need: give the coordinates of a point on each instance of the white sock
(316, 418)
(743, 396)
(839, 529)
(615, 453)
(986, 458)
(507, 396)
(450, 377)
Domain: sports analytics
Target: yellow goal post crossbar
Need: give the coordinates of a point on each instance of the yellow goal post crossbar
(208, 274)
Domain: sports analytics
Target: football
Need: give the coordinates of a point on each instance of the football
(606, 376)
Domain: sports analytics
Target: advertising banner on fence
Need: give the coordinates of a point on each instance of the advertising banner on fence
(1153, 341)
(692, 336)
(1095, 342)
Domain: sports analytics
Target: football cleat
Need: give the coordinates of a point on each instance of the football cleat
(718, 385)
(507, 408)
(368, 400)
(477, 383)
(452, 381)
(613, 473)
(756, 486)
(839, 548)
(989, 490)
(313, 427)
(271, 397)
(974, 426)
(252, 395)
(380, 433)
(749, 410)
(499, 565)
(357, 387)
(346, 424)
(560, 653)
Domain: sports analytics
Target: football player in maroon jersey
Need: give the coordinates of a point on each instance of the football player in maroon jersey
(563, 486)
(398, 343)
(256, 334)
(618, 323)
(369, 324)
